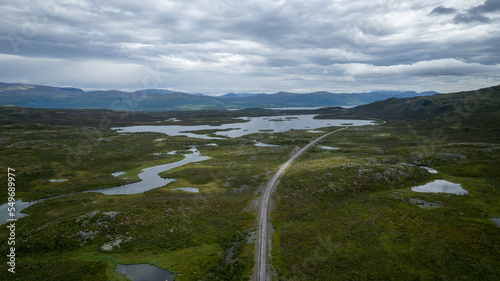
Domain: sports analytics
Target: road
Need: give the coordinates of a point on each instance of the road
(262, 270)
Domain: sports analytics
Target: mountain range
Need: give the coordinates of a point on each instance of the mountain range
(38, 96)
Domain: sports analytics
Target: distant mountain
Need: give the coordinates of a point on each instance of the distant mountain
(158, 91)
(71, 89)
(239, 95)
(36, 96)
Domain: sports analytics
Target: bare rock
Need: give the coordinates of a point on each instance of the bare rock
(425, 204)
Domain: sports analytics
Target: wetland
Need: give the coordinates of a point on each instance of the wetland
(345, 213)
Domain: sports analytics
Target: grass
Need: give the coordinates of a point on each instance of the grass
(187, 264)
(62, 238)
(172, 227)
(346, 214)
(203, 188)
(84, 156)
(338, 214)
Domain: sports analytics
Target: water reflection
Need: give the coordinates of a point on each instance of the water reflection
(441, 186)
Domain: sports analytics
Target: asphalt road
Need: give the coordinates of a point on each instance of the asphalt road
(262, 271)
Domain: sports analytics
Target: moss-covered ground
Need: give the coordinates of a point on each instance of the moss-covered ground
(347, 214)
(197, 236)
(343, 214)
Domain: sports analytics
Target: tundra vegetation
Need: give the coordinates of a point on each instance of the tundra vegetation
(82, 236)
(350, 214)
(345, 214)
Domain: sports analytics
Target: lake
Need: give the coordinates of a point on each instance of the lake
(269, 124)
(149, 176)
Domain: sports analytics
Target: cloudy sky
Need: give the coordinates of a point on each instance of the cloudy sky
(215, 47)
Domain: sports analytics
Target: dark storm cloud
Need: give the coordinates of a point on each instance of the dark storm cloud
(440, 10)
(487, 7)
(262, 45)
(476, 13)
(471, 17)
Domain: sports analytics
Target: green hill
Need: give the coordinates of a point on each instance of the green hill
(471, 107)
(473, 113)
(351, 213)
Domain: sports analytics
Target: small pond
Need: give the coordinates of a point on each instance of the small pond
(117, 174)
(187, 189)
(441, 186)
(429, 169)
(328, 147)
(261, 144)
(496, 221)
(144, 272)
(58, 180)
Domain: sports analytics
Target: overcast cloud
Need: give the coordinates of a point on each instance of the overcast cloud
(215, 47)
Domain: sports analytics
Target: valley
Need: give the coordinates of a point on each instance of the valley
(347, 213)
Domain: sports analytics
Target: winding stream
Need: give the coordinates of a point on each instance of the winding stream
(149, 180)
(149, 176)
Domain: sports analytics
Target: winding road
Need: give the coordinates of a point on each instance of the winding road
(262, 269)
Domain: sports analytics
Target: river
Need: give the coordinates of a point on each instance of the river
(149, 180)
